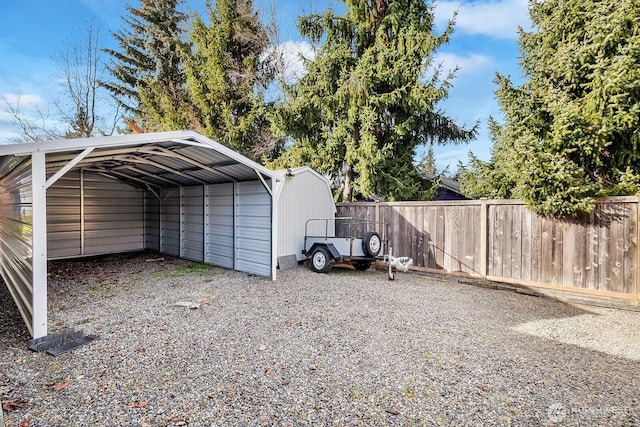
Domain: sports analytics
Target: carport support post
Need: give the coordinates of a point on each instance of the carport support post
(39, 239)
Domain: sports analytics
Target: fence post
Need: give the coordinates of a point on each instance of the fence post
(376, 216)
(484, 236)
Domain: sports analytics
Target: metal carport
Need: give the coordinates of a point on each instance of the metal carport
(176, 192)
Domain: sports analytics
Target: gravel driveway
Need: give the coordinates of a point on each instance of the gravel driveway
(343, 348)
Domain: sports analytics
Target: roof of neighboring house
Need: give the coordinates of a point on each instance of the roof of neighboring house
(446, 183)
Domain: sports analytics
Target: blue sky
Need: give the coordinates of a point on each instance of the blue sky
(484, 42)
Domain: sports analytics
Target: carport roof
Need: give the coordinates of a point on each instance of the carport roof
(150, 160)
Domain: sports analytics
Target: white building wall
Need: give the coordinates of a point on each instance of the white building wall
(304, 196)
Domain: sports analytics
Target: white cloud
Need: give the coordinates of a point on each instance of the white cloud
(23, 101)
(466, 64)
(292, 54)
(495, 18)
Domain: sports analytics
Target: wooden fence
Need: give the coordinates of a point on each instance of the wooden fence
(595, 253)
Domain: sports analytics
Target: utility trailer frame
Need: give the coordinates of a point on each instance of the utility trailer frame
(357, 243)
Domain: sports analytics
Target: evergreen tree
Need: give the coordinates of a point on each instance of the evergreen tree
(148, 77)
(228, 71)
(366, 102)
(571, 131)
(427, 163)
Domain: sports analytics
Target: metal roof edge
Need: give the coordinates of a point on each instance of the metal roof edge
(61, 145)
(57, 145)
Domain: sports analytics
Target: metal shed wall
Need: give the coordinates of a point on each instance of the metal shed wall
(170, 222)
(151, 222)
(113, 216)
(219, 221)
(16, 238)
(192, 223)
(82, 218)
(304, 195)
(253, 228)
(64, 217)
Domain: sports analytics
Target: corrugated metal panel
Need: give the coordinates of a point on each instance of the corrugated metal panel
(16, 238)
(151, 222)
(83, 218)
(170, 222)
(303, 197)
(63, 217)
(253, 228)
(219, 225)
(192, 240)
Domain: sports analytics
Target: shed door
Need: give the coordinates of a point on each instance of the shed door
(253, 228)
(219, 224)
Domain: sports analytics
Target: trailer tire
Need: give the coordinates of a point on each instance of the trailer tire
(371, 244)
(320, 260)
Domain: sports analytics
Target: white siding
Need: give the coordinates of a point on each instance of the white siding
(304, 196)
(219, 225)
(253, 228)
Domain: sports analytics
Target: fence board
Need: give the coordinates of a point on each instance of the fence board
(593, 252)
(507, 242)
(526, 248)
(631, 251)
(516, 242)
(591, 247)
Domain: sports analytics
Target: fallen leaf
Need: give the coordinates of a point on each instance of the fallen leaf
(392, 411)
(313, 367)
(483, 387)
(58, 387)
(262, 347)
(13, 404)
(25, 423)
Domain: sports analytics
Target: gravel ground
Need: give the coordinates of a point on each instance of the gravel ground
(343, 348)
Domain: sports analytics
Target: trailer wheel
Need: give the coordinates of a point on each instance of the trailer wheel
(362, 265)
(371, 243)
(320, 260)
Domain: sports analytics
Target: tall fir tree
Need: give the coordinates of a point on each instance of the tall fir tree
(228, 71)
(148, 76)
(369, 99)
(572, 130)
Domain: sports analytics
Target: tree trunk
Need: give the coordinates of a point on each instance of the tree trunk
(347, 192)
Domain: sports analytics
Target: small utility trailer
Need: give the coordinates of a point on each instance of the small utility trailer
(342, 240)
